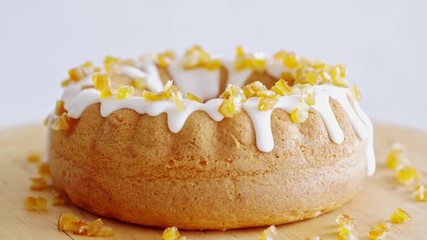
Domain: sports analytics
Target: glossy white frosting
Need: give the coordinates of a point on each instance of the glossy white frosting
(205, 84)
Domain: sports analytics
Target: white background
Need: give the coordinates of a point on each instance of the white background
(383, 43)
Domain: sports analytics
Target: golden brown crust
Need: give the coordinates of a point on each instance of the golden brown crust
(210, 175)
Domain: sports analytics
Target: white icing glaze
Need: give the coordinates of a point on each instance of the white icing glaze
(205, 84)
(154, 83)
(236, 77)
(201, 82)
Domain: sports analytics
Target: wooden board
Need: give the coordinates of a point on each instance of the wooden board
(379, 198)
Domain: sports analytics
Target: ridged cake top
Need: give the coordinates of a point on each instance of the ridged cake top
(221, 88)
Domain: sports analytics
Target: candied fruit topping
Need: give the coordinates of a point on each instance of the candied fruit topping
(62, 123)
(300, 113)
(395, 156)
(420, 193)
(234, 97)
(38, 184)
(193, 97)
(252, 61)
(379, 231)
(44, 170)
(289, 59)
(267, 102)
(355, 92)
(77, 73)
(252, 89)
(59, 108)
(65, 83)
(282, 88)
(111, 63)
(154, 96)
(196, 57)
(268, 234)
(406, 174)
(35, 204)
(172, 233)
(70, 223)
(33, 157)
(101, 81)
(346, 227)
(139, 83)
(124, 92)
(164, 58)
(170, 91)
(400, 216)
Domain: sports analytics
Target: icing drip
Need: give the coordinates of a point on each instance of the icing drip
(190, 81)
(76, 100)
(236, 77)
(261, 121)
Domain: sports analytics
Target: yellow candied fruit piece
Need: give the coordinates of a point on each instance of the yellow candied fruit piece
(196, 57)
(106, 93)
(300, 113)
(44, 170)
(62, 123)
(70, 223)
(170, 89)
(406, 174)
(282, 88)
(213, 64)
(240, 52)
(346, 228)
(35, 204)
(124, 92)
(420, 193)
(59, 108)
(178, 100)
(355, 92)
(47, 120)
(81, 71)
(172, 233)
(400, 216)
(268, 102)
(318, 64)
(193, 98)
(65, 83)
(379, 231)
(110, 63)
(163, 59)
(233, 90)
(227, 108)
(312, 77)
(253, 89)
(254, 61)
(33, 157)
(249, 91)
(38, 184)
(307, 93)
(268, 234)
(395, 156)
(139, 83)
(101, 81)
(290, 61)
(154, 96)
